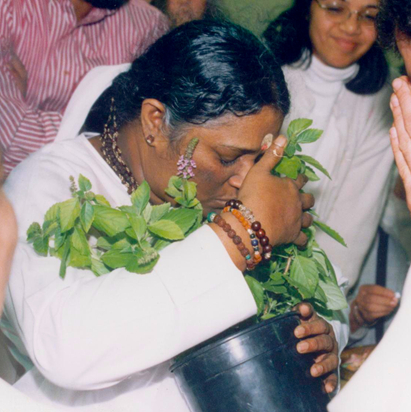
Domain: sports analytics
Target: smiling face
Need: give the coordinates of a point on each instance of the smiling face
(228, 148)
(341, 44)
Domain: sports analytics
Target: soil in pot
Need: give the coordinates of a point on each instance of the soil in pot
(251, 368)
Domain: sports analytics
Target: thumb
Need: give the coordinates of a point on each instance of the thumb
(273, 154)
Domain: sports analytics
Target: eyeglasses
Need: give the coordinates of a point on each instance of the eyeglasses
(339, 11)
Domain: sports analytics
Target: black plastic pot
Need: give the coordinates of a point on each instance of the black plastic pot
(251, 369)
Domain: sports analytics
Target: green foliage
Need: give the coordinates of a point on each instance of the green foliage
(127, 237)
(293, 274)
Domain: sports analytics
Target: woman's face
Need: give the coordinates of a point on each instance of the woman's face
(341, 44)
(227, 149)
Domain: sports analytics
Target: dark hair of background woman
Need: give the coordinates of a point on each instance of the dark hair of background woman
(394, 15)
(199, 71)
(288, 38)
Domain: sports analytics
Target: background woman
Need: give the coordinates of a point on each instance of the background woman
(338, 76)
(104, 342)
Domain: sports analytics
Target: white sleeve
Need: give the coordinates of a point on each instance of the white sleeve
(87, 332)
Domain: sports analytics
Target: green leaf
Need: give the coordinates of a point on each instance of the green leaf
(173, 192)
(98, 267)
(302, 290)
(84, 183)
(101, 200)
(277, 279)
(304, 271)
(309, 136)
(52, 213)
(49, 227)
(147, 212)
(78, 260)
(175, 181)
(330, 232)
(161, 244)
(130, 210)
(87, 215)
(123, 245)
(69, 211)
(290, 149)
(110, 221)
(59, 238)
(159, 211)
(297, 126)
(139, 226)
(311, 174)
(278, 289)
(103, 243)
(143, 263)
(166, 229)
(289, 167)
(258, 292)
(320, 295)
(41, 245)
(79, 242)
(314, 163)
(141, 196)
(184, 218)
(335, 298)
(33, 232)
(116, 258)
(64, 257)
(189, 190)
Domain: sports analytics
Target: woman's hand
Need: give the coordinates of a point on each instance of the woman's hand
(400, 133)
(318, 337)
(372, 303)
(277, 202)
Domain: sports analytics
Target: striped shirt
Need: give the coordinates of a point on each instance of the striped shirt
(57, 51)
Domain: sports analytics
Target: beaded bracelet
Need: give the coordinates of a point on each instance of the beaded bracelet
(231, 233)
(255, 228)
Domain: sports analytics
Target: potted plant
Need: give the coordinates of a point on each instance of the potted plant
(254, 365)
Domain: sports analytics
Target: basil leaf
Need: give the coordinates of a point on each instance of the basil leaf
(330, 232)
(304, 271)
(335, 298)
(166, 229)
(159, 211)
(110, 221)
(69, 211)
(116, 258)
(79, 242)
(41, 245)
(143, 263)
(309, 136)
(98, 267)
(311, 174)
(78, 260)
(315, 163)
(141, 196)
(184, 218)
(52, 213)
(87, 216)
(84, 183)
(33, 232)
(138, 225)
(101, 200)
(297, 126)
(289, 167)
(64, 257)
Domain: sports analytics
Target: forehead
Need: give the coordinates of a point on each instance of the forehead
(246, 131)
(357, 4)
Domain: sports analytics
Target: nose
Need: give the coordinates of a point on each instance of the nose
(237, 179)
(351, 25)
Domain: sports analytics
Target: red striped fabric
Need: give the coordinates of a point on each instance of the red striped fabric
(57, 52)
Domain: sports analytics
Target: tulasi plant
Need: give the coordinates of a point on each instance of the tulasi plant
(294, 275)
(86, 232)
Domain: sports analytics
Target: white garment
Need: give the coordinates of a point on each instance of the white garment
(104, 343)
(107, 339)
(354, 148)
(383, 382)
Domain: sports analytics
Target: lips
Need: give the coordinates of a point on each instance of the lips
(345, 44)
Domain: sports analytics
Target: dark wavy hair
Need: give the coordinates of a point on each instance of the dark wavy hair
(288, 38)
(199, 71)
(394, 15)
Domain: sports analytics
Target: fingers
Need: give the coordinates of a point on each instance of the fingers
(324, 364)
(316, 327)
(301, 240)
(320, 343)
(307, 220)
(301, 181)
(273, 154)
(305, 310)
(307, 200)
(402, 91)
(330, 383)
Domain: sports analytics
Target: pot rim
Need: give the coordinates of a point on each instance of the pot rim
(193, 352)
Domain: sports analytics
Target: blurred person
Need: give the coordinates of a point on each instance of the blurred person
(338, 76)
(46, 47)
(382, 383)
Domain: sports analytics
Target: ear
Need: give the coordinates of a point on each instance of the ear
(153, 114)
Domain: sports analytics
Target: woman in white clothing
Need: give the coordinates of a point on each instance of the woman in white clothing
(337, 76)
(103, 343)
